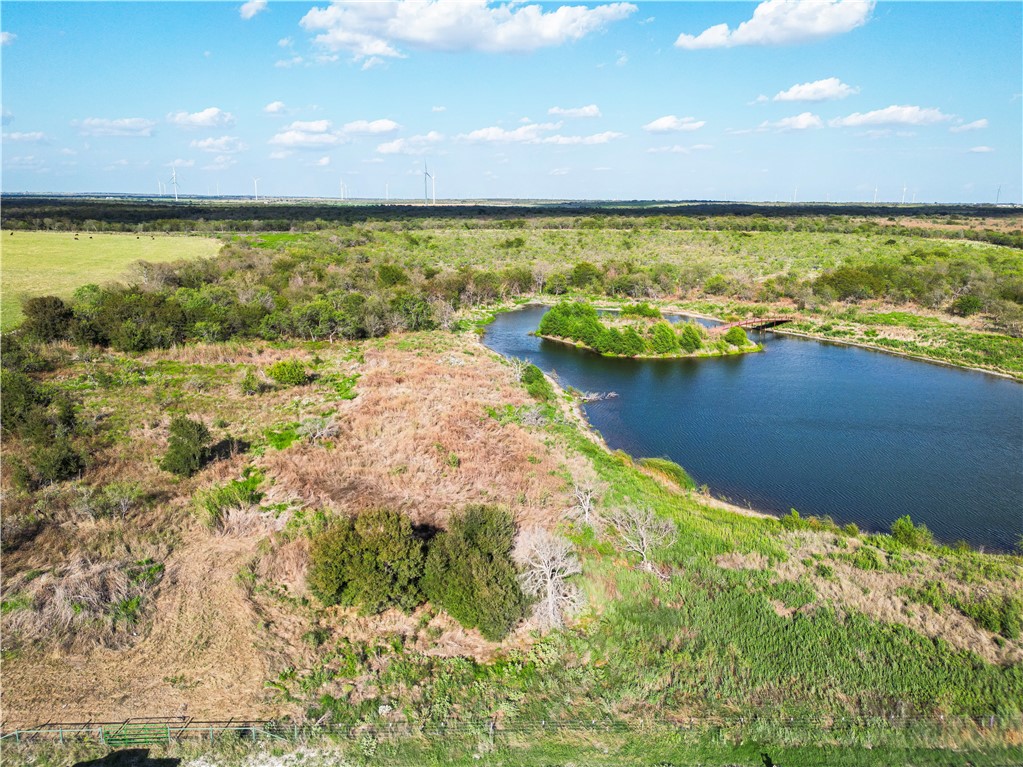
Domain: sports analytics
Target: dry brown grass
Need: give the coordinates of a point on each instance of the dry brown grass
(418, 438)
(210, 640)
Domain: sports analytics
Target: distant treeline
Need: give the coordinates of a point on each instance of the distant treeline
(210, 216)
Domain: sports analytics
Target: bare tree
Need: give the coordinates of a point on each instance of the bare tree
(547, 562)
(518, 367)
(642, 531)
(586, 493)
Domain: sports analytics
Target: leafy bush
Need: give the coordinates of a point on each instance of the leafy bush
(663, 339)
(537, 385)
(964, 306)
(736, 336)
(913, 536)
(251, 383)
(642, 309)
(867, 558)
(188, 449)
(690, 337)
(47, 318)
(374, 562)
(470, 573)
(288, 373)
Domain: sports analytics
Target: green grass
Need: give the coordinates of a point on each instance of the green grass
(54, 263)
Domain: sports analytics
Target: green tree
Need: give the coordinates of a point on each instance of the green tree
(47, 318)
(663, 339)
(908, 534)
(470, 573)
(374, 562)
(690, 338)
(188, 448)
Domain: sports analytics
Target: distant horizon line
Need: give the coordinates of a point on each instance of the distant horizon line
(455, 201)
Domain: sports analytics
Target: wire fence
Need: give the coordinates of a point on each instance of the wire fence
(155, 730)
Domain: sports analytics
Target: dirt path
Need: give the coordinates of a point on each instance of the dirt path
(204, 655)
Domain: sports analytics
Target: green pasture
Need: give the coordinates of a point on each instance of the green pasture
(55, 263)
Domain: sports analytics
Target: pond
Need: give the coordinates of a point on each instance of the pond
(827, 429)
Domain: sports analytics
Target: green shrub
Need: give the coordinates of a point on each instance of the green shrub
(671, 470)
(867, 558)
(663, 339)
(736, 337)
(690, 337)
(288, 373)
(964, 306)
(470, 573)
(642, 309)
(55, 461)
(251, 383)
(47, 318)
(284, 437)
(913, 536)
(537, 385)
(188, 448)
(210, 505)
(374, 562)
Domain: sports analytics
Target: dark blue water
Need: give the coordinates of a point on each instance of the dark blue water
(861, 436)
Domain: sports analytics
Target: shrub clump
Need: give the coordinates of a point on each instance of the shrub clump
(189, 445)
(212, 504)
(373, 562)
(537, 385)
(736, 337)
(470, 572)
(910, 535)
(288, 373)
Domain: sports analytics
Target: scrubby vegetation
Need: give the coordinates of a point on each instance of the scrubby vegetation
(372, 531)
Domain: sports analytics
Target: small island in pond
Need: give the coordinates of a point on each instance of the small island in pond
(638, 331)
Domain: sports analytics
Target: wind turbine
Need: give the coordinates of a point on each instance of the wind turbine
(875, 195)
(174, 182)
(426, 187)
(998, 194)
(255, 185)
(903, 192)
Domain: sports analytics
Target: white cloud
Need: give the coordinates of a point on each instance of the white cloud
(820, 90)
(179, 163)
(796, 122)
(323, 162)
(127, 126)
(310, 134)
(371, 126)
(534, 133)
(596, 138)
(211, 117)
(975, 125)
(282, 155)
(251, 8)
(980, 149)
(287, 63)
(274, 107)
(222, 145)
(438, 109)
(528, 134)
(6, 38)
(24, 162)
(784, 22)
(622, 60)
(371, 63)
(221, 162)
(670, 123)
(590, 110)
(379, 29)
(34, 137)
(412, 145)
(679, 149)
(285, 42)
(560, 172)
(893, 115)
(6, 116)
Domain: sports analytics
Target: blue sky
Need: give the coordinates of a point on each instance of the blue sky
(803, 99)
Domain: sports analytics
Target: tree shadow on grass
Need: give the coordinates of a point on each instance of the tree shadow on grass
(130, 757)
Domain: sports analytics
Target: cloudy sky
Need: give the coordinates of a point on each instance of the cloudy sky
(781, 100)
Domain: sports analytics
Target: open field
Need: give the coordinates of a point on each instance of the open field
(737, 633)
(55, 263)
